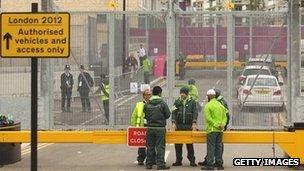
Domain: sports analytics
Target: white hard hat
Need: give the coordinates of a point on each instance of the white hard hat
(211, 92)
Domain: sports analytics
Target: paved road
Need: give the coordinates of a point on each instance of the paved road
(93, 157)
(253, 117)
(250, 117)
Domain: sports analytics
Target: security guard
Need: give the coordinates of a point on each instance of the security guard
(181, 65)
(184, 117)
(105, 88)
(221, 99)
(193, 92)
(156, 112)
(66, 87)
(137, 120)
(85, 81)
(147, 68)
(215, 120)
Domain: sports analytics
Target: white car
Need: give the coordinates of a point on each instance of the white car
(266, 92)
(261, 61)
(254, 70)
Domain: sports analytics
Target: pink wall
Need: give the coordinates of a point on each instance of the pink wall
(200, 40)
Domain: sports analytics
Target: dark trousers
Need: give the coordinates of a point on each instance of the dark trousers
(156, 141)
(141, 154)
(214, 148)
(141, 59)
(85, 100)
(146, 78)
(179, 152)
(66, 94)
(179, 147)
(106, 108)
(182, 71)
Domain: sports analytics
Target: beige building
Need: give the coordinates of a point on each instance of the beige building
(88, 29)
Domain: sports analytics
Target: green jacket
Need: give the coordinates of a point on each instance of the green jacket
(184, 112)
(137, 118)
(224, 103)
(215, 116)
(105, 89)
(156, 112)
(193, 92)
(146, 65)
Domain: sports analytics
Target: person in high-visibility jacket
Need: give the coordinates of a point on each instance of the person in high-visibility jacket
(137, 120)
(147, 68)
(193, 93)
(215, 119)
(105, 88)
(220, 99)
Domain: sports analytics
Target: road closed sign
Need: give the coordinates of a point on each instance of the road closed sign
(25, 35)
(137, 136)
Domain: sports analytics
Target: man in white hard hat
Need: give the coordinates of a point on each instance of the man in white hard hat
(215, 121)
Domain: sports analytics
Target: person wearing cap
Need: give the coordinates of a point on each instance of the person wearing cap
(66, 87)
(137, 120)
(184, 117)
(221, 99)
(85, 82)
(156, 113)
(215, 121)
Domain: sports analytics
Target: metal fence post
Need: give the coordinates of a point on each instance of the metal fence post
(111, 31)
(230, 58)
(170, 53)
(294, 58)
(215, 37)
(250, 36)
(46, 82)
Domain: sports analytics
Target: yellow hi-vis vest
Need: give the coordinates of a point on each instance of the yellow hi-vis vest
(137, 118)
(103, 96)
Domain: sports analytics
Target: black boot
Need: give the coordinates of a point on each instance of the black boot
(219, 166)
(163, 167)
(177, 163)
(207, 167)
(193, 164)
(204, 163)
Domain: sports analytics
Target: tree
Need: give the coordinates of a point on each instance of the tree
(256, 5)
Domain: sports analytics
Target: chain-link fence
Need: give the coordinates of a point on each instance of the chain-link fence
(207, 42)
(91, 46)
(205, 45)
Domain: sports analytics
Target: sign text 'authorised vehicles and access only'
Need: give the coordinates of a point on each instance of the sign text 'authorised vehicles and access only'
(35, 35)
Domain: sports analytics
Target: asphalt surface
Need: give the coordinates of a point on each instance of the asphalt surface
(93, 157)
(265, 117)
